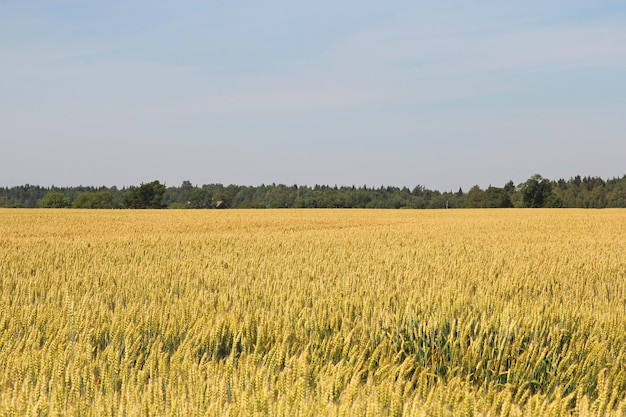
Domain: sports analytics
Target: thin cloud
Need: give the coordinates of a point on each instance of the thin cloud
(445, 94)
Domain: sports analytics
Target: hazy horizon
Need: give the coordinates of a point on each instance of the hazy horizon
(368, 186)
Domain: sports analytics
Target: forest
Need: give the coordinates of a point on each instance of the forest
(537, 191)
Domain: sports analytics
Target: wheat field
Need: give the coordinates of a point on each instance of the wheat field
(313, 313)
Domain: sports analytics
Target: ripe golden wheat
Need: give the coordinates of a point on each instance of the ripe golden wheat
(313, 312)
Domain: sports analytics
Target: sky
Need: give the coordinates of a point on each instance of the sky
(443, 94)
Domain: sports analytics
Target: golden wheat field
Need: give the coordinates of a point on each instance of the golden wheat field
(313, 313)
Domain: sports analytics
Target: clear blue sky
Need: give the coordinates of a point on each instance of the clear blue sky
(444, 94)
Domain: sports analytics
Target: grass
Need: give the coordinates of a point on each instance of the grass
(313, 312)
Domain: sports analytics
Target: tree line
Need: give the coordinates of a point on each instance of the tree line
(537, 191)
